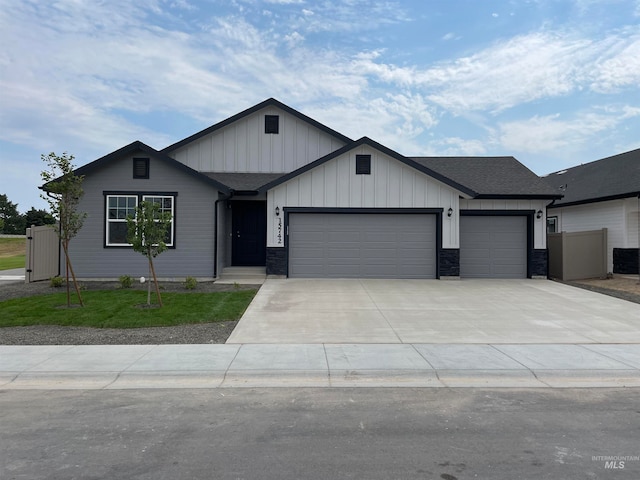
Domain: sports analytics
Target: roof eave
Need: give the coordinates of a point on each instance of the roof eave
(489, 196)
(597, 200)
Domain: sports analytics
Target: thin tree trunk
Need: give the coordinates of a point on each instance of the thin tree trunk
(155, 281)
(149, 282)
(73, 276)
(66, 273)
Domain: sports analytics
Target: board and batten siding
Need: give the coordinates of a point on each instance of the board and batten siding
(391, 184)
(539, 224)
(244, 147)
(619, 217)
(194, 217)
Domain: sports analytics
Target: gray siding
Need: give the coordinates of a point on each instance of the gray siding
(194, 217)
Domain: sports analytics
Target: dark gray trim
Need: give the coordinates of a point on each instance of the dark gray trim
(517, 197)
(377, 146)
(530, 214)
(596, 200)
(417, 211)
(271, 102)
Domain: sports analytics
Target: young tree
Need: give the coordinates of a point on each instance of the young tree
(147, 233)
(64, 190)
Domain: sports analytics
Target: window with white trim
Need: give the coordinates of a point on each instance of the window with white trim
(119, 207)
(166, 204)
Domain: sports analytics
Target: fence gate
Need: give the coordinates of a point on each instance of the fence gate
(577, 255)
(43, 254)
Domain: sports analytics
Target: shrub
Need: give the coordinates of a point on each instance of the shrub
(190, 283)
(125, 281)
(56, 282)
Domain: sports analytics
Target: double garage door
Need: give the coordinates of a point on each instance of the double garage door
(362, 245)
(493, 246)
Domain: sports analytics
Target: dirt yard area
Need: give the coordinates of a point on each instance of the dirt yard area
(626, 287)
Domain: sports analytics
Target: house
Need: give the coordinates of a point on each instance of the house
(273, 188)
(601, 194)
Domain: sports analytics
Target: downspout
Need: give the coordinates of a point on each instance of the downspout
(215, 231)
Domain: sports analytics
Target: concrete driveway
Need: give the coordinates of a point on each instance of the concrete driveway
(431, 311)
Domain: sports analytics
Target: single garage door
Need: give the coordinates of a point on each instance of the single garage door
(493, 247)
(352, 245)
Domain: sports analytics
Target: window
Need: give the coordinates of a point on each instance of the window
(119, 207)
(363, 164)
(166, 205)
(271, 123)
(552, 224)
(140, 168)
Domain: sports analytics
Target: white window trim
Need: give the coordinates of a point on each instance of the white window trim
(173, 206)
(109, 221)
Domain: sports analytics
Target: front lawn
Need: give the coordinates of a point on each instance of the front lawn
(125, 309)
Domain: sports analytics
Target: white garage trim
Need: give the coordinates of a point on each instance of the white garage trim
(496, 244)
(363, 243)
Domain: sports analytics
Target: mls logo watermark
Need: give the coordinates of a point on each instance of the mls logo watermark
(615, 462)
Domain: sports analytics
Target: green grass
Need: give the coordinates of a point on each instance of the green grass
(12, 253)
(121, 309)
(8, 263)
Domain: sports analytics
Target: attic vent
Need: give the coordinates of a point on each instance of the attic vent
(561, 172)
(271, 124)
(140, 168)
(363, 164)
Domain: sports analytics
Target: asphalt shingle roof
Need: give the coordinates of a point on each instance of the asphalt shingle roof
(243, 181)
(612, 177)
(491, 176)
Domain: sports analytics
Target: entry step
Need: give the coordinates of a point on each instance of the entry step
(243, 275)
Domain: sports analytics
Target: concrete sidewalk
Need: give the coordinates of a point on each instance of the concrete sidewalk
(319, 365)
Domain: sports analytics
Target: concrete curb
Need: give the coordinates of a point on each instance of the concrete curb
(318, 366)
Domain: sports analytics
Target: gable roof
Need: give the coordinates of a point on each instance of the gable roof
(367, 141)
(606, 179)
(138, 146)
(270, 102)
(491, 177)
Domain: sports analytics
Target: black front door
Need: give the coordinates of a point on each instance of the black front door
(249, 244)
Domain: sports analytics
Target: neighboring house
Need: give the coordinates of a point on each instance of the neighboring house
(601, 194)
(272, 187)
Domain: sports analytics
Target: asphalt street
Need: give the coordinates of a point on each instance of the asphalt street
(268, 434)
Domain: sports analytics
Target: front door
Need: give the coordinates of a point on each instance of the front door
(249, 244)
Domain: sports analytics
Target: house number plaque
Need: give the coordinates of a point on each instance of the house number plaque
(279, 231)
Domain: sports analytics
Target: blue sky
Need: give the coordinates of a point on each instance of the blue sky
(553, 83)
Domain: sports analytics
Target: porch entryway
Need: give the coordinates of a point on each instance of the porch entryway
(249, 233)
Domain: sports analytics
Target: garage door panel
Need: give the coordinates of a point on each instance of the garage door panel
(493, 246)
(363, 245)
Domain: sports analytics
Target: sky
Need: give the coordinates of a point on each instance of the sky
(553, 83)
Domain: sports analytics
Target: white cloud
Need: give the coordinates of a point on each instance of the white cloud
(550, 133)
